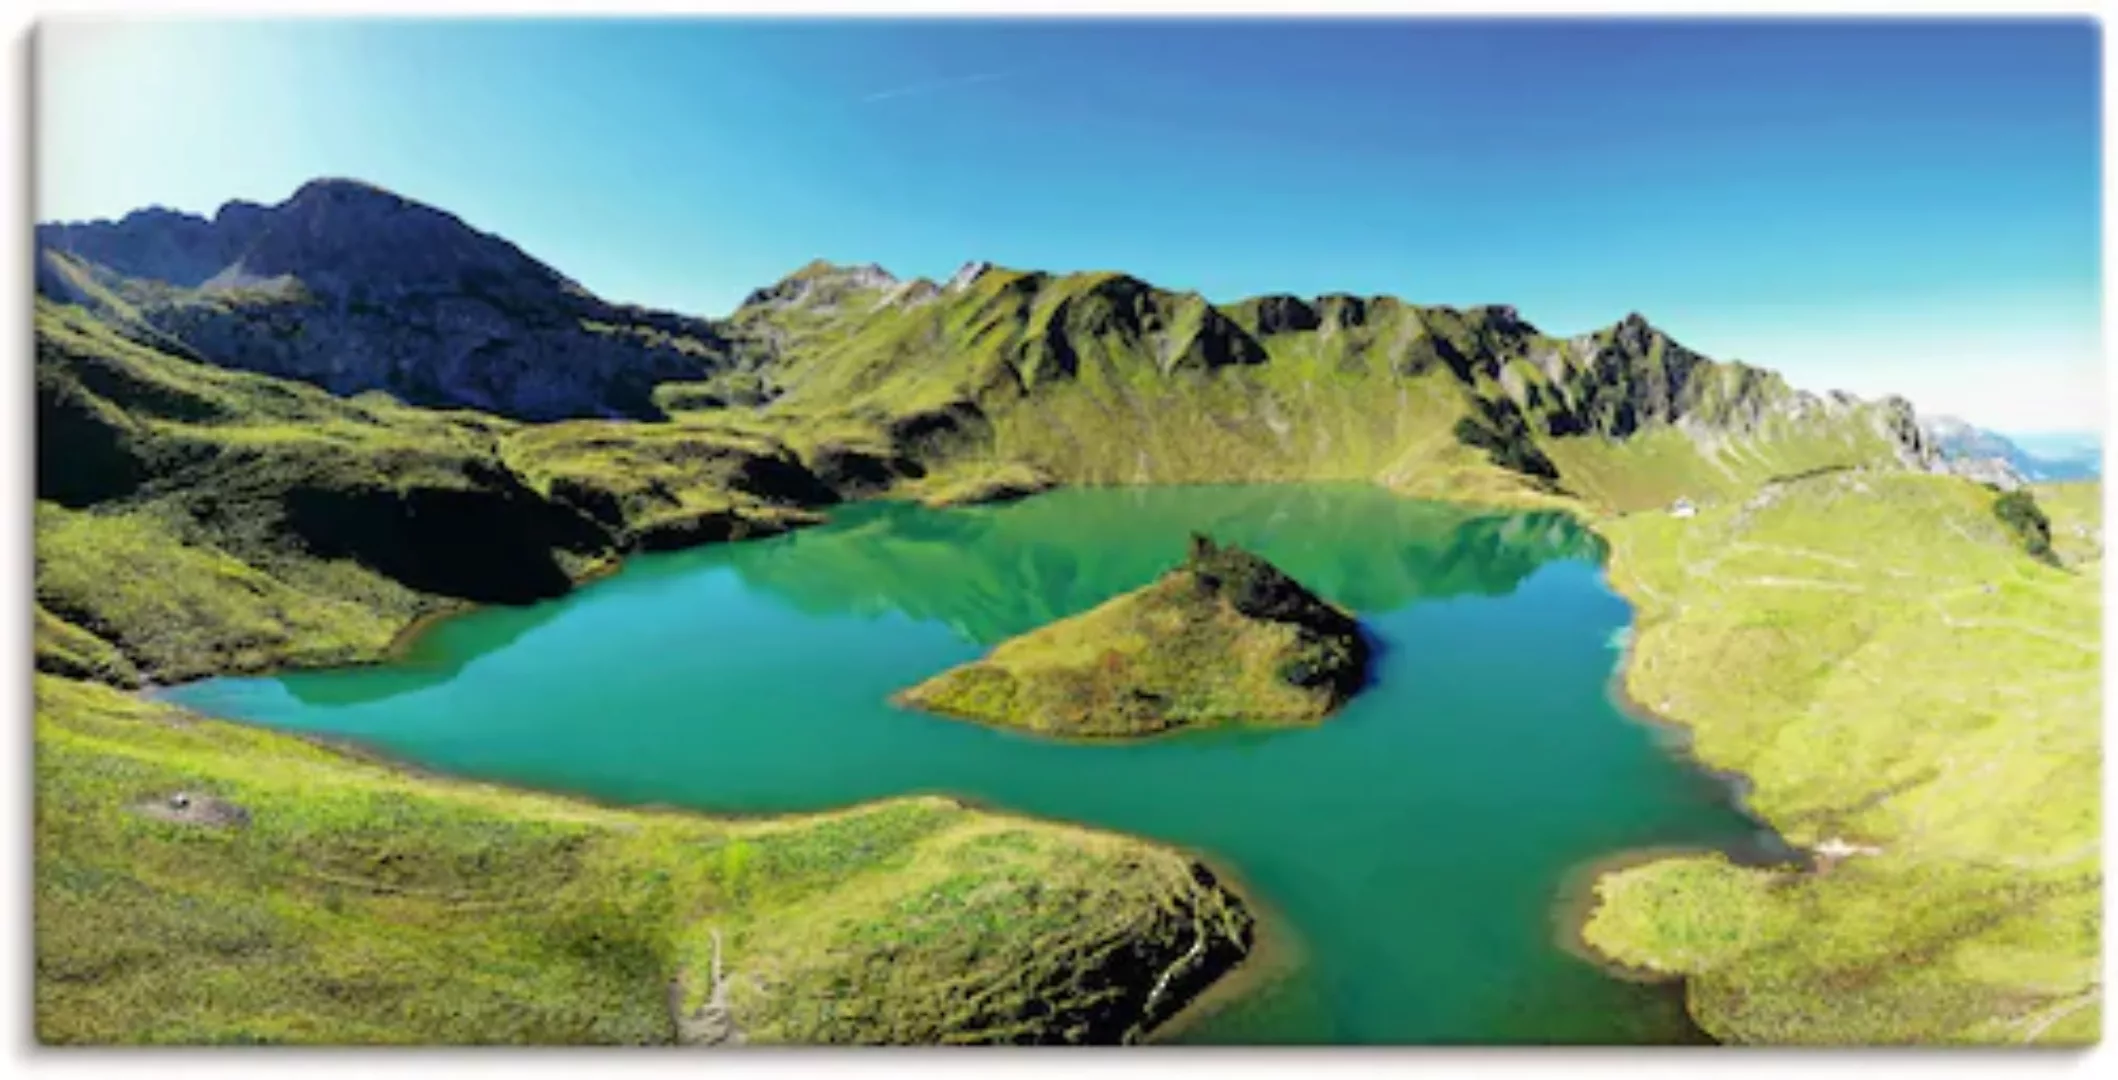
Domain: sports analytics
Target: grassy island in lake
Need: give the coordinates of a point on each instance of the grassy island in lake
(1226, 637)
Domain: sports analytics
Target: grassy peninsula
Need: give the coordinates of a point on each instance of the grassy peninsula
(1913, 696)
(1223, 638)
(353, 902)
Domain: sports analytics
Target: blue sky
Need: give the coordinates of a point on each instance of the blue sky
(1880, 207)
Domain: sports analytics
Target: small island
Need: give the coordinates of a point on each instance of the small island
(1224, 638)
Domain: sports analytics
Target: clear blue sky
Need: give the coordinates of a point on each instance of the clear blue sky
(1879, 207)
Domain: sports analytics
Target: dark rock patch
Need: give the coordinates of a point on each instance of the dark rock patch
(494, 542)
(852, 473)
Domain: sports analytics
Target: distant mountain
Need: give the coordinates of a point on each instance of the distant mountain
(2055, 457)
(2063, 456)
(353, 288)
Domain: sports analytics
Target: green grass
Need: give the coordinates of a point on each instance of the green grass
(1876, 651)
(1888, 667)
(195, 521)
(364, 904)
(639, 479)
(65, 649)
(1224, 638)
(178, 609)
(200, 520)
(1098, 378)
(1655, 468)
(972, 483)
(2075, 509)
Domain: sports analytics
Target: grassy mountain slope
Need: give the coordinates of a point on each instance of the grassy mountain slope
(2075, 508)
(205, 520)
(1890, 670)
(1102, 378)
(195, 521)
(1223, 638)
(356, 903)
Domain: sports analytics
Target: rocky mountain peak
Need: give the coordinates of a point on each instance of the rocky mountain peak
(340, 190)
(821, 282)
(1633, 333)
(346, 240)
(354, 287)
(1281, 313)
(1503, 318)
(966, 274)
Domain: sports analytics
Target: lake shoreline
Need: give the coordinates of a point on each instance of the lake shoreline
(1228, 986)
(1268, 951)
(1581, 894)
(407, 636)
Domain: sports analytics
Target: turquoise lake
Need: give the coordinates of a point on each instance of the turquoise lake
(1412, 850)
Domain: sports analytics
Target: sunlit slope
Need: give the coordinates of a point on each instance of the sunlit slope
(195, 521)
(1102, 378)
(1653, 469)
(2075, 508)
(1900, 683)
(356, 903)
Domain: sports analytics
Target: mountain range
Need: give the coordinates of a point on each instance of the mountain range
(1096, 377)
(2066, 457)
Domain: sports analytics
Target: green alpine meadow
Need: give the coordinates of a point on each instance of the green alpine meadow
(430, 650)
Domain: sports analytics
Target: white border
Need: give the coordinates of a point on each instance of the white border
(1778, 9)
(15, 1002)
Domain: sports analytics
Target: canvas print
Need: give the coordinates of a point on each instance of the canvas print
(743, 532)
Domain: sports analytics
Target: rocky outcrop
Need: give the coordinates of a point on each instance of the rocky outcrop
(965, 275)
(854, 472)
(823, 285)
(1626, 377)
(1278, 313)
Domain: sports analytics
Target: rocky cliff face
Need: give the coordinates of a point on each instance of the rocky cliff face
(353, 288)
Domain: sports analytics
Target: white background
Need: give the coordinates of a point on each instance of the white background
(1224, 1064)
